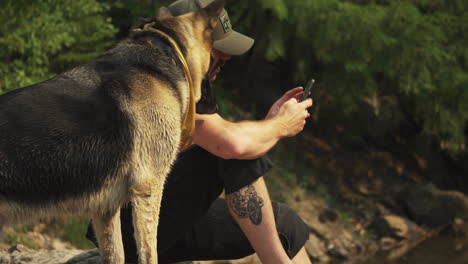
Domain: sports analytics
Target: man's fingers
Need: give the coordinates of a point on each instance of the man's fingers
(307, 102)
(298, 96)
(293, 92)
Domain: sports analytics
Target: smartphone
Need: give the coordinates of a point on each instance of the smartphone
(307, 89)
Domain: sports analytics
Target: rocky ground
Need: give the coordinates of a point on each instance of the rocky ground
(360, 202)
(20, 254)
(332, 238)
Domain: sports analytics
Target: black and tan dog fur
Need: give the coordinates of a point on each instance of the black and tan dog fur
(100, 135)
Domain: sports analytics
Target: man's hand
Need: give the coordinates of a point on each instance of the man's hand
(290, 113)
(293, 93)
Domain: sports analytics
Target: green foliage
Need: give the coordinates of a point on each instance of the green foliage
(19, 235)
(40, 38)
(70, 230)
(379, 61)
(406, 61)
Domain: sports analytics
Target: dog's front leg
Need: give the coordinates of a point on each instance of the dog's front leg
(146, 201)
(107, 229)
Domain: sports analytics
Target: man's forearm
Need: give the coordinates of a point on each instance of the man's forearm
(256, 137)
(286, 118)
(252, 210)
(246, 139)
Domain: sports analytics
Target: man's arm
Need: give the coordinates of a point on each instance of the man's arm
(251, 206)
(235, 140)
(252, 139)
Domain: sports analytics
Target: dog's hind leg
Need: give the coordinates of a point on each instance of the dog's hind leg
(108, 233)
(146, 201)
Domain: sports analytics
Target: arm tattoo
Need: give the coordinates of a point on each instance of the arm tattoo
(246, 204)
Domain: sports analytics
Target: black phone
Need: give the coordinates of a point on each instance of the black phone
(307, 89)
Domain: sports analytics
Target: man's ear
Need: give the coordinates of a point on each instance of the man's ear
(213, 10)
(163, 12)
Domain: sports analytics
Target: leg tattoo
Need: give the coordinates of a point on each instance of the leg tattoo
(247, 204)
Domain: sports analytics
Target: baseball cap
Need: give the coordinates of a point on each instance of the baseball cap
(225, 38)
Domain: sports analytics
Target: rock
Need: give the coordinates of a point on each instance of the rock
(327, 215)
(252, 259)
(431, 207)
(395, 227)
(459, 247)
(92, 257)
(398, 235)
(337, 252)
(5, 259)
(316, 250)
(88, 257)
(19, 248)
(20, 254)
(460, 228)
(387, 243)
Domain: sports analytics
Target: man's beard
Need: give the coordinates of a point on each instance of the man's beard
(207, 103)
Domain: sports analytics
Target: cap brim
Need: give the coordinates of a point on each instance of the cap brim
(234, 44)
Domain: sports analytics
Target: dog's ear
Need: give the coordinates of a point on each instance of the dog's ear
(163, 13)
(213, 10)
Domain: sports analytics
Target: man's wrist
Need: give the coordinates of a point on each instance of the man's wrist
(278, 127)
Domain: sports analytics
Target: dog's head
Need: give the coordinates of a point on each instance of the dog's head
(193, 33)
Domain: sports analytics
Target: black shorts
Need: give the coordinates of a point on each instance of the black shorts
(194, 224)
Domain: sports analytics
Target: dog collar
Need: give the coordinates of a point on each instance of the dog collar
(188, 121)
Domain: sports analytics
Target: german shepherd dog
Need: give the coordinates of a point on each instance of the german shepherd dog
(104, 134)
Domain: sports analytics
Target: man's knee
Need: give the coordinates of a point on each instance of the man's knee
(292, 230)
